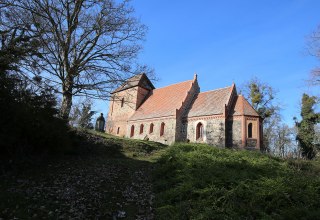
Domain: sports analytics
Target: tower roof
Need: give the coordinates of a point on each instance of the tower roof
(138, 80)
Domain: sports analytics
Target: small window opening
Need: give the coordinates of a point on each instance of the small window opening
(122, 102)
(199, 131)
(151, 128)
(250, 130)
(162, 129)
(118, 130)
(141, 128)
(132, 131)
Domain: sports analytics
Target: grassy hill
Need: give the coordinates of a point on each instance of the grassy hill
(195, 181)
(104, 177)
(107, 177)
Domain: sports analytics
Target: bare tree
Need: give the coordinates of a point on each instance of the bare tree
(284, 138)
(87, 46)
(313, 48)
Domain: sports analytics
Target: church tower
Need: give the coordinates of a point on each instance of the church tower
(125, 100)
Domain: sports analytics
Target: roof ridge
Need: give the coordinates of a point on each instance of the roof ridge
(190, 87)
(232, 88)
(173, 84)
(245, 100)
(216, 89)
(242, 104)
(127, 79)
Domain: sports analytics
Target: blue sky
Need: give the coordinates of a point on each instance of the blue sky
(231, 41)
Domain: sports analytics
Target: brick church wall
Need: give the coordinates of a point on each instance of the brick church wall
(142, 93)
(253, 141)
(118, 115)
(213, 134)
(169, 130)
(217, 130)
(233, 133)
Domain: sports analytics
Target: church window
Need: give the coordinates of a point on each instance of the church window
(162, 129)
(199, 131)
(151, 128)
(141, 128)
(250, 130)
(122, 102)
(132, 131)
(118, 130)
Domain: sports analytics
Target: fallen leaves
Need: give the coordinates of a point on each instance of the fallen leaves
(81, 189)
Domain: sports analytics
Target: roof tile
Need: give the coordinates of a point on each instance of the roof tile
(210, 103)
(163, 101)
(243, 107)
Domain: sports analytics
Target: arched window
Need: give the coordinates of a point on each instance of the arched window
(141, 128)
(122, 102)
(199, 131)
(250, 130)
(151, 128)
(118, 130)
(132, 131)
(162, 129)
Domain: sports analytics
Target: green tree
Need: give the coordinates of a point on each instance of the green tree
(29, 122)
(306, 127)
(317, 136)
(81, 115)
(262, 96)
(16, 46)
(86, 117)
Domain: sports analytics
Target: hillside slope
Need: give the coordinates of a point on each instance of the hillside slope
(106, 177)
(196, 181)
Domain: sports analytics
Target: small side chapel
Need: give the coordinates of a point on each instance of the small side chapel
(180, 112)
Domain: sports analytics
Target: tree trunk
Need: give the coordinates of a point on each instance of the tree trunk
(66, 98)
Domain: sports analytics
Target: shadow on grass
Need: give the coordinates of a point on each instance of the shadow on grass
(95, 180)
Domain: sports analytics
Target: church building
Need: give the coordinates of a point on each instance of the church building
(181, 113)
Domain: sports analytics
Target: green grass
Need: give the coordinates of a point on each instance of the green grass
(137, 149)
(103, 174)
(195, 181)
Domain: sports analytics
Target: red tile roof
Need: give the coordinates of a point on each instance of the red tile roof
(210, 103)
(243, 107)
(163, 101)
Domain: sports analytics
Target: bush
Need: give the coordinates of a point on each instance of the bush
(29, 122)
(202, 182)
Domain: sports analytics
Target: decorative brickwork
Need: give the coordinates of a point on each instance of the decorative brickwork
(180, 112)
